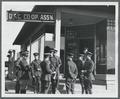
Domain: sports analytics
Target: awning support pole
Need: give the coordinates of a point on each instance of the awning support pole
(58, 30)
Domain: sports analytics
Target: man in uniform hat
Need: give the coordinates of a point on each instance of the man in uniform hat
(71, 73)
(88, 66)
(11, 65)
(22, 73)
(17, 71)
(55, 63)
(80, 65)
(36, 73)
(46, 74)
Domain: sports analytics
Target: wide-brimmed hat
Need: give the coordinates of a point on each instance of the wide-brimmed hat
(36, 54)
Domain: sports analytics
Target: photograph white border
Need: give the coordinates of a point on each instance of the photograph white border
(68, 95)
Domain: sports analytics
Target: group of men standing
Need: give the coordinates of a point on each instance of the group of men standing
(45, 74)
(83, 69)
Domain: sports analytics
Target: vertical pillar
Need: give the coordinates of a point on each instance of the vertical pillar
(39, 42)
(58, 30)
(95, 51)
(30, 52)
(42, 41)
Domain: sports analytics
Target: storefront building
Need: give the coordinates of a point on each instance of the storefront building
(75, 28)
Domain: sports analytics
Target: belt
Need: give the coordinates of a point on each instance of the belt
(83, 71)
(38, 70)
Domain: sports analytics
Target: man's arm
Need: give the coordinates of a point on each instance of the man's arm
(48, 68)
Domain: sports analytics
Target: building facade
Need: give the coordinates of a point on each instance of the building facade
(75, 28)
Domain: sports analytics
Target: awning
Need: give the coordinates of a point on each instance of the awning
(29, 27)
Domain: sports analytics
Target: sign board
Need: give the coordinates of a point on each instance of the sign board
(49, 37)
(23, 16)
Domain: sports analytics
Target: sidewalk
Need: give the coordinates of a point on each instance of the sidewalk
(10, 85)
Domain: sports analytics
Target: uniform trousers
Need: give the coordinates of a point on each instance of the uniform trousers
(54, 83)
(88, 86)
(70, 85)
(37, 84)
(45, 86)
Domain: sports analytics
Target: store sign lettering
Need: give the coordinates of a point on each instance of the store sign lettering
(31, 16)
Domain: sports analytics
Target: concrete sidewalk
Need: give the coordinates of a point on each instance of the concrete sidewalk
(10, 85)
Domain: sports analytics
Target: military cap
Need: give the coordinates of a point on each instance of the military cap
(46, 54)
(10, 51)
(89, 53)
(70, 54)
(81, 54)
(85, 48)
(8, 55)
(24, 53)
(55, 50)
(52, 50)
(35, 54)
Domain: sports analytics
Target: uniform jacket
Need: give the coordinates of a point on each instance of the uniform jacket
(22, 69)
(89, 66)
(55, 63)
(80, 66)
(36, 68)
(46, 71)
(71, 70)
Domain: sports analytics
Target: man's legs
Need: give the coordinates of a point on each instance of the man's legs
(17, 87)
(54, 85)
(72, 86)
(68, 86)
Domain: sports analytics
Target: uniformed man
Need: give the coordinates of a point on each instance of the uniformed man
(17, 72)
(36, 73)
(55, 63)
(80, 65)
(71, 73)
(88, 66)
(23, 72)
(11, 65)
(46, 74)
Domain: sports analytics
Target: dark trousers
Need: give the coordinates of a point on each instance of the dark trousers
(45, 86)
(54, 83)
(23, 85)
(70, 86)
(37, 84)
(17, 87)
(20, 87)
(88, 86)
(82, 84)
